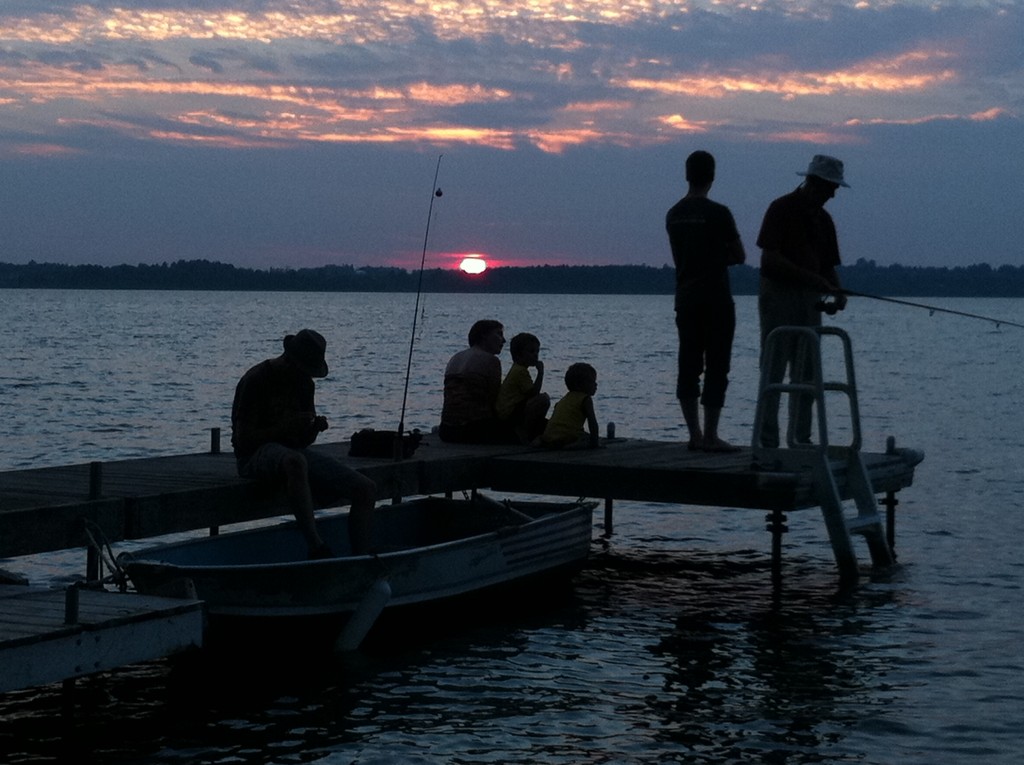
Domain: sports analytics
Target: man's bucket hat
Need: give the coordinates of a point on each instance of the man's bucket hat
(306, 348)
(827, 168)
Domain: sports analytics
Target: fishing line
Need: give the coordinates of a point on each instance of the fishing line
(435, 193)
(933, 308)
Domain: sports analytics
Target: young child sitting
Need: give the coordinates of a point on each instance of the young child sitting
(565, 427)
(520, 401)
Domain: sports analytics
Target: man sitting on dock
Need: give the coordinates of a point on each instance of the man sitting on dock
(274, 420)
(472, 380)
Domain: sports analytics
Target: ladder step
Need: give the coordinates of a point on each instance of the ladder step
(864, 523)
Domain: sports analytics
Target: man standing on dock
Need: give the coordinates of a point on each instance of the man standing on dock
(274, 420)
(799, 256)
(705, 242)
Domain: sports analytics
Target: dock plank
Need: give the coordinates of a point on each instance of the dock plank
(650, 472)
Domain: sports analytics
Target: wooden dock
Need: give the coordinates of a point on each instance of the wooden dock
(49, 509)
(51, 635)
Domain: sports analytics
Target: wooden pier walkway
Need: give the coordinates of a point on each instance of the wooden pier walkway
(48, 509)
(50, 635)
(58, 508)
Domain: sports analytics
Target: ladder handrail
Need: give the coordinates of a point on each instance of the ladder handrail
(770, 393)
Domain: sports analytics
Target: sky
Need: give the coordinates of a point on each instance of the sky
(301, 133)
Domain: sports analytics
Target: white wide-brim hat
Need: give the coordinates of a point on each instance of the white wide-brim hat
(827, 168)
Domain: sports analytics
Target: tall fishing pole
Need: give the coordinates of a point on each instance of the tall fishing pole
(435, 192)
(933, 308)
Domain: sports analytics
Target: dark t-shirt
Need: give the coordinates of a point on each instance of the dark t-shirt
(804, 234)
(701, 233)
(266, 395)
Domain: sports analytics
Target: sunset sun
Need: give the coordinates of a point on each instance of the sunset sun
(473, 264)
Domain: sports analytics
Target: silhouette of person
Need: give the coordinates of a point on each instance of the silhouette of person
(799, 257)
(705, 242)
(274, 420)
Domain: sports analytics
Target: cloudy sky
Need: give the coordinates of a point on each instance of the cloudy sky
(276, 133)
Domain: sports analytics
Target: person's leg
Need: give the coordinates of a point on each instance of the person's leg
(691, 365)
(535, 415)
(720, 329)
(769, 435)
(300, 498)
(280, 463)
(332, 481)
(777, 307)
(711, 442)
(802, 370)
(691, 416)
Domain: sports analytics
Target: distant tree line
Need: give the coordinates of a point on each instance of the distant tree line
(863, 276)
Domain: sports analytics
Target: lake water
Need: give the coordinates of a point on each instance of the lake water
(671, 646)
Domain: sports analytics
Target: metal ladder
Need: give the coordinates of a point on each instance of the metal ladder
(825, 460)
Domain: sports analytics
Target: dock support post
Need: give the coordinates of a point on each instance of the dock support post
(71, 604)
(67, 701)
(92, 554)
(609, 502)
(777, 526)
(214, 440)
(889, 503)
(92, 564)
(95, 480)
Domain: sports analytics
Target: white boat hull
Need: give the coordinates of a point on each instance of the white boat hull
(433, 549)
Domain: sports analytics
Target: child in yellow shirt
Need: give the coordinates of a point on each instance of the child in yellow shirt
(520, 401)
(565, 428)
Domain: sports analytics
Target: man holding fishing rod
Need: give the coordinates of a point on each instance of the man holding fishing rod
(799, 256)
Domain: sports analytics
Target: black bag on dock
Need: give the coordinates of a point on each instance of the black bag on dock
(382, 443)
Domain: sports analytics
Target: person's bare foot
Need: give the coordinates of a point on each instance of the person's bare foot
(716, 444)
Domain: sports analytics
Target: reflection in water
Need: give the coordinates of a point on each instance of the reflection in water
(779, 679)
(745, 673)
(644, 656)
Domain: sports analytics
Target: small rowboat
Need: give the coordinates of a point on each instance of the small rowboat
(431, 549)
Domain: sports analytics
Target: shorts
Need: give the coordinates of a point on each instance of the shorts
(329, 480)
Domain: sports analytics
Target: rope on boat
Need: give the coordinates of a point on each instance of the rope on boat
(98, 541)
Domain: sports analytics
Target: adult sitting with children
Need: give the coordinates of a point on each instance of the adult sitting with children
(472, 380)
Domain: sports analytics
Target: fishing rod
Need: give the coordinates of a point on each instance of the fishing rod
(435, 193)
(932, 308)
